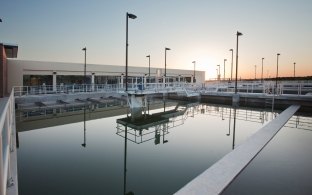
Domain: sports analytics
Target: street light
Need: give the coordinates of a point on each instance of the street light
(262, 71)
(294, 69)
(255, 72)
(131, 16)
(237, 35)
(194, 62)
(224, 69)
(149, 65)
(166, 60)
(219, 72)
(231, 63)
(277, 55)
(85, 67)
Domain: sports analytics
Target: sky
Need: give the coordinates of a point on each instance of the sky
(194, 30)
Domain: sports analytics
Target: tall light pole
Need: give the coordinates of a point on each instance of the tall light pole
(85, 68)
(255, 72)
(237, 35)
(166, 60)
(224, 69)
(294, 69)
(149, 65)
(131, 16)
(231, 63)
(262, 71)
(194, 62)
(219, 72)
(277, 55)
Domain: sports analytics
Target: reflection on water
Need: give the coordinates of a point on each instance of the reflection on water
(283, 166)
(156, 153)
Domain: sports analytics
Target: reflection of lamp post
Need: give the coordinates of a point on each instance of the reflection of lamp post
(234, 127)
(131, 16)
(149, 65)
(84, 144)
(224, 69)
(231, 63)
(166, 60)
(237, 35)
(229, 122)
(85, 67)
(194, 62)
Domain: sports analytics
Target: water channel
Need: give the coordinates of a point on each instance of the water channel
(86, 150)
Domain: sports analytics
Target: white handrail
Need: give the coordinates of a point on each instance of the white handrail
(7, 140)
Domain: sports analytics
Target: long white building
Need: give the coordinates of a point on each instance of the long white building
(36, 73)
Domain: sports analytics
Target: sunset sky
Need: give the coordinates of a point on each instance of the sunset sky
(200, 30)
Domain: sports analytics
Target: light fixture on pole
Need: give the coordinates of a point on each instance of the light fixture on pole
(277, 55)
(194, 80)
(224, 69)
(131, 16)
(294, 69)
(85, 68)
(237, 35)
(255, 72)
(219, 72)
(166, 48)
(231, 63)
(262, 70)
(149, 65)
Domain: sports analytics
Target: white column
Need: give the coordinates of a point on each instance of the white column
(121, 80)
(92, 81)
(54, 81)
(144, 80)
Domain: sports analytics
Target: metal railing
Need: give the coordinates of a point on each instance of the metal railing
(65, 89)
(289, 88)
(107, 88)
(7, 140)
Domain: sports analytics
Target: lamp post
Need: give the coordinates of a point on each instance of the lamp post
(237, 35)
(262, 71)
(149, 65)
(231, 63)
(166, 61)
(255, 72)
(194, 62)
(219, 72)
(224, 69)
(131, 16)
(85, 68)
(277, 55)
(294, 69)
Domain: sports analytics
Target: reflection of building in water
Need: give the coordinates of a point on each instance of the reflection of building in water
(154, 126)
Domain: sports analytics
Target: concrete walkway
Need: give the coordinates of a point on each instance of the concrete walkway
(216, 178)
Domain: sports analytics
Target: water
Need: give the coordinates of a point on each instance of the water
(283, 166)
(66, 159)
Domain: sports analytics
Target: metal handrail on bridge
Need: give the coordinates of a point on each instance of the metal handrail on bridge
(7, 145)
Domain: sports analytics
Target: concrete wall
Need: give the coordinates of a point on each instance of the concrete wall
(3, 72)
(18, 68)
